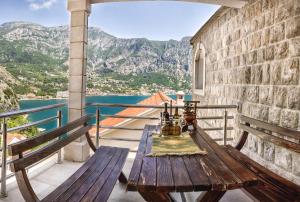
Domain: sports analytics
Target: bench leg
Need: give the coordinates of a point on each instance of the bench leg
(122, 178)
(210, 196)
(157, 197)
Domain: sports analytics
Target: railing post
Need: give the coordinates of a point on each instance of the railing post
(3, 167)
(97, 127)
(59, 124)
(225, 127)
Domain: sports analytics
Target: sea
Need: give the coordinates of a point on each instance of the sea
(28, 104)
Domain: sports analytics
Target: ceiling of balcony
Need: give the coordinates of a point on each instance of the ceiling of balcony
(229, 3)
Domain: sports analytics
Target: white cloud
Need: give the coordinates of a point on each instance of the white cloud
(41, 4)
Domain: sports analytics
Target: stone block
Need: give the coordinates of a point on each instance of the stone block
(252, 93)
(266, 95)
(289, 119)
(295, 47)
(78, 50)
(78, 34)
(256, 74)
(261, 55)
(280, 96)
(78, 151)
(274, 115)
(77, 67)
(270, 53)
(252, 58)
(284, 11)
(283, 158)
(77, 84)
(76, 100)
(296, 164)
(260, 147)
(269, 151)
(281, 50)
(79, 19)
(74, 114)
(293, 27)
(294, 98)
(265, 38)
(269, 18)
(277, 33)
(275, 69)
(290, 72)
(266, 74)
(252, 143)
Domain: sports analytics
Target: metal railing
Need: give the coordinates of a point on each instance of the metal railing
(5, 130)
(98, 116)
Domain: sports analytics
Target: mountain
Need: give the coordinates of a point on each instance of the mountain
(37, 56)
(8, 98)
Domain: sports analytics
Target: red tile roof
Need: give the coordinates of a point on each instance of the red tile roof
(157, 99)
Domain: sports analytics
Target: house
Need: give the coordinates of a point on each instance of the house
(250, 56)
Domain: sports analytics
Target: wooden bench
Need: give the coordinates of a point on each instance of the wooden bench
(94, 180)
(274, 187)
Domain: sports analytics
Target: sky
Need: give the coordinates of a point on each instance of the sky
(157, 20)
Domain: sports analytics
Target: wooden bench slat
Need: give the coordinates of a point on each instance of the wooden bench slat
(137, 164)
(147, 179)
(29, 143)
(107, 188)
(270, 138)
(101, 153)
(43, 152)
(165, 179)
(91, 190)
(272, 180)
(271, 127)
(88, 176)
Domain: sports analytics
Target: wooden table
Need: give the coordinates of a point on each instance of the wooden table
(155, 177)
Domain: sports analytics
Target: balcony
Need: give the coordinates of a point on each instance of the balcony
(46, 175)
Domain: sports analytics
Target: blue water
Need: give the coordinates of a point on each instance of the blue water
(27, 104)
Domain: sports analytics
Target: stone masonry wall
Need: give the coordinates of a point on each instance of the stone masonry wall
(252, 58)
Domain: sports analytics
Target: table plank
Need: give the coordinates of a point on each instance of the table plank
(246, 176)
(219, 169)
(165, 180)
(147, 179)
(181, 177)
(197, 175)
(138, 161)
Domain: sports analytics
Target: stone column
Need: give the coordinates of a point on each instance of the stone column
(79, 11)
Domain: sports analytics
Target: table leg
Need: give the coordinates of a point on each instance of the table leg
(157, 196)
(210, 196)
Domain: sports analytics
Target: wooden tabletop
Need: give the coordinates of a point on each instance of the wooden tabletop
(213, 171)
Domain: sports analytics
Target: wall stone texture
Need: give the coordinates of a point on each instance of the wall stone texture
(252, 58)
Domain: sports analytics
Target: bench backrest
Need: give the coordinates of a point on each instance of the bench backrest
(32, 150)
(267, 131)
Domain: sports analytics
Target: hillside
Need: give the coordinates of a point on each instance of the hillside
(8, 98)
(37, 57)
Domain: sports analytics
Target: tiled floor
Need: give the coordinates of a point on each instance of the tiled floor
(49, 175)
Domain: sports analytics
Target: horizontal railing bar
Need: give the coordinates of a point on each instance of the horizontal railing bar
(130, 117)
(27, 111)
(221, 128)
(133, 151)
(22, 127)
(214, 117)
(159, 106)
(120, 128)
(120, 139)
(221, 139)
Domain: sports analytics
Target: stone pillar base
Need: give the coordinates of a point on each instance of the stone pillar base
(77, 151)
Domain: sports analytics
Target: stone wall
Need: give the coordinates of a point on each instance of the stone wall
(252, 58)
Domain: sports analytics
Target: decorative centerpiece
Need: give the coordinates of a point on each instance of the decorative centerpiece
(170, 123)
(190, 115)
